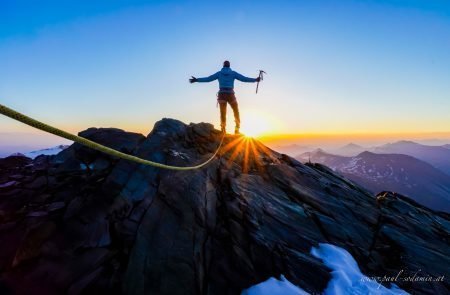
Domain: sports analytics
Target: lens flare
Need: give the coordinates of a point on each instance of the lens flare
(255, 124)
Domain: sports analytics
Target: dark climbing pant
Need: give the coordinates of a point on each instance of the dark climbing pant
(223, 99)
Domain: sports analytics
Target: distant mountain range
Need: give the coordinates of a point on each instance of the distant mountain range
(349, 150)
(405, 174)
(47, 152)
(293, 149)
(438, 156)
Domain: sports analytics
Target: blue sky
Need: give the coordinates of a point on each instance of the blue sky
(333, 66)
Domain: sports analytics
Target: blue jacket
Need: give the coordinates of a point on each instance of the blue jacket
(226, 77)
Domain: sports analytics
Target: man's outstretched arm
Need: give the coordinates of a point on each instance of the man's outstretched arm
(205, 79)
(242, 78)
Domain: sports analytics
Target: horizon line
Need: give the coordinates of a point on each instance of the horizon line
(292, 136)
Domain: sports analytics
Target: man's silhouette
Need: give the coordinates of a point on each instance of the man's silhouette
(226, 77)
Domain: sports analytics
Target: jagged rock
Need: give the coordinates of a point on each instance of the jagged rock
(8, 185)
(32, 241)
(252, 213)
(55, 206)
(405, 229)
(37, 214)
(37, 183)
(16, 177)
(78, 157)
(12, 162)
(111, 137)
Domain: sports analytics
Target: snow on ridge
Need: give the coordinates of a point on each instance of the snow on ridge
(352, 165)
(346, 278)
(47, 152)
(273, 286)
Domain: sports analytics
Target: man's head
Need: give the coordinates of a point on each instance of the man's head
(226, 64)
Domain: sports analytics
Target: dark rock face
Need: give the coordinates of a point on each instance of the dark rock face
(81, 221)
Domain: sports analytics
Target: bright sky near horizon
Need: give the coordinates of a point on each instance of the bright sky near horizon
(333, 66)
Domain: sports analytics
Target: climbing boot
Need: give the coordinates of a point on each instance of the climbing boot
(236, 131)
(223, 129)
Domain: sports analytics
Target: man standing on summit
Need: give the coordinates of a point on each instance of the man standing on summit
(226, 77)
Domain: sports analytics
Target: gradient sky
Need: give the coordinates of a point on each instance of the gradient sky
(333, 66)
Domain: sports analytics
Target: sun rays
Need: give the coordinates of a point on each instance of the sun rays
(257, 123)
(246, 152)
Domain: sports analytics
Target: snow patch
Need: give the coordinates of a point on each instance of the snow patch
(351, 165)
(346, 278)
(275, 287)
(179, 154)
(46, 152)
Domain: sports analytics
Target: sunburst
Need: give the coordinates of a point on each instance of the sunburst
(247, 152)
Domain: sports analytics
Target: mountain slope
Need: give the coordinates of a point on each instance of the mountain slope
(82, 221)
(394, 172)
(437, 156)
(349, 150)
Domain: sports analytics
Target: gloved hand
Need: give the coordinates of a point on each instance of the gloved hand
(258, 79)
(193, 79)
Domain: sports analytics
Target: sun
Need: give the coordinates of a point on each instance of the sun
(255, 124)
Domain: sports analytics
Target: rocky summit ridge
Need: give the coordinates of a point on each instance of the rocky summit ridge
(84, 222)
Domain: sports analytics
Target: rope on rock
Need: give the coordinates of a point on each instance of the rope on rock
(91, 144)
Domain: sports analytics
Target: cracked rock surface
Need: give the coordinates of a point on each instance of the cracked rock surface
(84, 222)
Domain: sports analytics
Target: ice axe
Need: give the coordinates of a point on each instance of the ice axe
(261, 72)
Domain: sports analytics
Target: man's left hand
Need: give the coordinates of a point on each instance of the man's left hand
(193, 79)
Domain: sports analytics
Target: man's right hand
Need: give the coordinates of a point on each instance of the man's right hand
(193, 79)
(258, 79)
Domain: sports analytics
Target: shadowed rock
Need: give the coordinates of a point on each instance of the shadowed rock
(117, 227)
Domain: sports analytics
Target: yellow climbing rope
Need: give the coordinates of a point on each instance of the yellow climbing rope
(89, 143)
